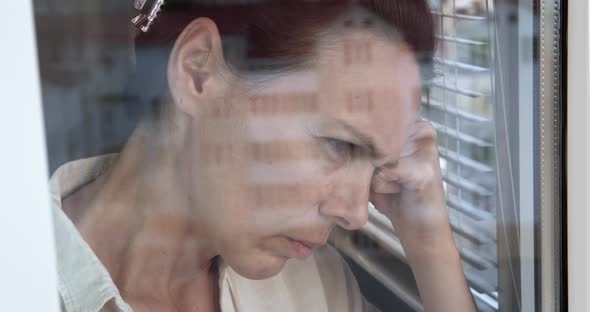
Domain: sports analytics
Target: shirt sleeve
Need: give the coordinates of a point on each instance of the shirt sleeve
(340, 285)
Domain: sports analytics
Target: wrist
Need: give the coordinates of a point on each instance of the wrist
(429, 244)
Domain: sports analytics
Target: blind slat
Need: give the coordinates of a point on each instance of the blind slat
(464, 137)
(474, 260)
(460, 16)
(462, 65)
(458, 90)
(466, 185)
(466, 208)
(465, 161)
(453, 110)
(460, 40)
(471, 234)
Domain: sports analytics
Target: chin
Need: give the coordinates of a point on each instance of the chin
(258, 267)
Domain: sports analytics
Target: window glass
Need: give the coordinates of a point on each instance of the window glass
(296, 155)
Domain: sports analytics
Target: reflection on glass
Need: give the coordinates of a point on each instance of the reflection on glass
(235, 146)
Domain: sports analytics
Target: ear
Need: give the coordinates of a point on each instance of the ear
(194, 66)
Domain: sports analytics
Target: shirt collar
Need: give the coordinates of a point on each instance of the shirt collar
(84, 283)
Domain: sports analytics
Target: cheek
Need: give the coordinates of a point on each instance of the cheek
(287, 199)
(279, 207)
(287, 174)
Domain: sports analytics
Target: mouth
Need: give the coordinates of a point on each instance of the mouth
(302, 249)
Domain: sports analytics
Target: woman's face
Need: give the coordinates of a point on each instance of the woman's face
(275, 168)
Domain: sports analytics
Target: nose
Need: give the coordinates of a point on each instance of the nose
(348, 204)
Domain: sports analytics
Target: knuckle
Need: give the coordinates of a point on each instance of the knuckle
(426, 177)
(429, 130)
(426, 131)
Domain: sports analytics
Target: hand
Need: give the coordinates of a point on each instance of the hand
(411, 195)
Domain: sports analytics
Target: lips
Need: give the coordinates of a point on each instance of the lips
(302, 249)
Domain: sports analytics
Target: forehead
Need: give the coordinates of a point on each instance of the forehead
(371, 83)
(365, 61)
(358, 62)
(366, 80)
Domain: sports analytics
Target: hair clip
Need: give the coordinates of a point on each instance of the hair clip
(148, 11)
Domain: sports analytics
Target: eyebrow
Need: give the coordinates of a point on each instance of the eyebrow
(367, 143)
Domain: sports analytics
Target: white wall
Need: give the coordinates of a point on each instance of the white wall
(578, 158)
(27, 259)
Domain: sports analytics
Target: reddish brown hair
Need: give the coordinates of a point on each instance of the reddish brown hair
(286, 30)
(282, 33)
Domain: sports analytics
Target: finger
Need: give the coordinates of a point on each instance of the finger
(423, 130)
(382, 186)
(423, 139)
(385, 203)
(410, 173)
(414, 173)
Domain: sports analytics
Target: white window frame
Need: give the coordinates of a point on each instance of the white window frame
(578, 155)
(27, 267)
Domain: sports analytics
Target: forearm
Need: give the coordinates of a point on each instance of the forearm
(412, 196)
(439, 275)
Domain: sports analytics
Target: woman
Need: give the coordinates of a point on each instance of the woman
(240, 170)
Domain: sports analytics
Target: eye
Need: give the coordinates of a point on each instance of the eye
(339, 149)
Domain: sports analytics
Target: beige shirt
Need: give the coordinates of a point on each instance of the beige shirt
(321, 283)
